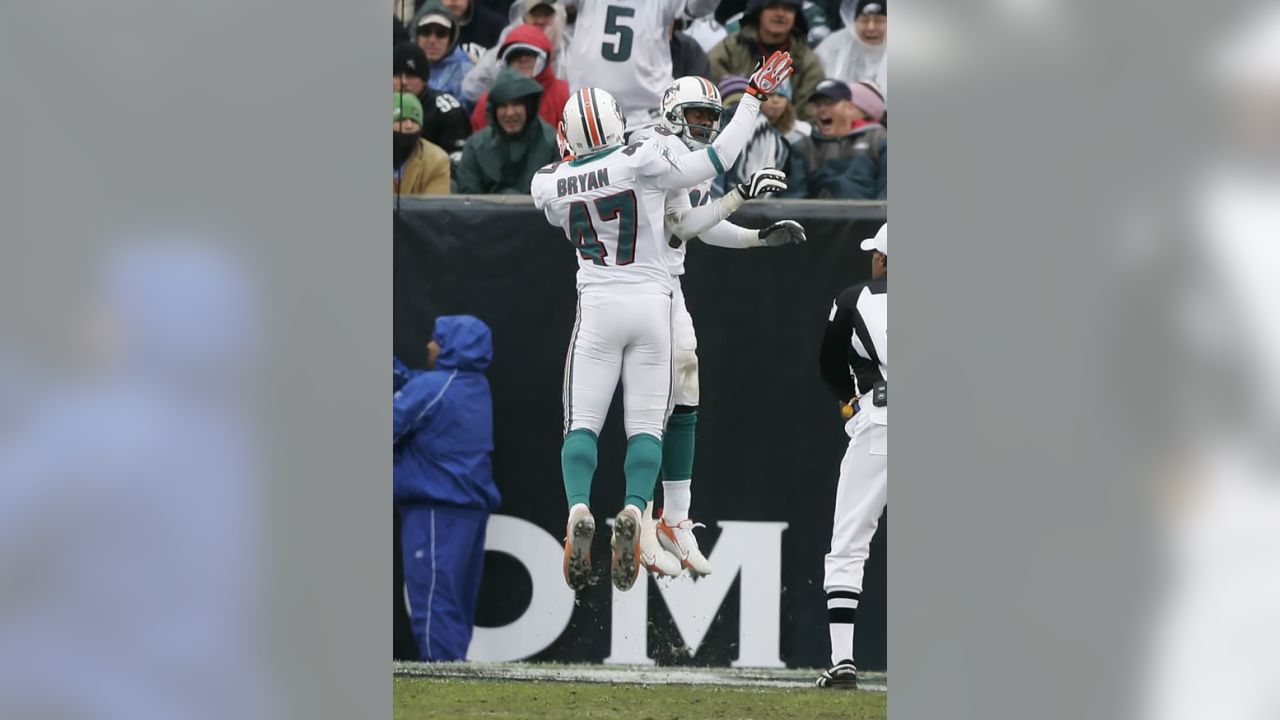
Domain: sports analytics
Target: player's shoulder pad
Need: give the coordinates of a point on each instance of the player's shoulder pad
(669, 140)
(644, 133)
(656, 146)
(542, 185)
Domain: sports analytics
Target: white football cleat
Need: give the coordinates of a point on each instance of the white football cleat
(580, 530)
(626, 548)
(679, 541)
(653, 557)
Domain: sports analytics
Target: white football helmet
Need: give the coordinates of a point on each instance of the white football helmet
(592, 122)
(691, 92)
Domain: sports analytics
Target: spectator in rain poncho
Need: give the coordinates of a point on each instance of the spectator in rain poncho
(443, 483)
(502, 158)
(856, 52)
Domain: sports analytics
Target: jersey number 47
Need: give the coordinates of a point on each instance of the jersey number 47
(592, 245)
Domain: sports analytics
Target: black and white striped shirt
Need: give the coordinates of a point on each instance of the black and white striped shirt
(855, 348)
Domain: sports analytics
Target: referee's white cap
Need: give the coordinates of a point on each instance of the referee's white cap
(880, 241)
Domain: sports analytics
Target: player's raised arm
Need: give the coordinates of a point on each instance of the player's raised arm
(764, 82)
(692, 168)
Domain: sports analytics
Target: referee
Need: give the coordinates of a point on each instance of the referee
(854, 361)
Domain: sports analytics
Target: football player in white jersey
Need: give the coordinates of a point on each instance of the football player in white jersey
(623, 47)
(611, 201)
(691, 110)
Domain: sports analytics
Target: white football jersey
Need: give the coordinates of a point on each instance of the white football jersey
(622, 46)
(695, 196)
(611, 208)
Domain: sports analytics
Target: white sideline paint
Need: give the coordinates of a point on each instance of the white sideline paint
(631, 674)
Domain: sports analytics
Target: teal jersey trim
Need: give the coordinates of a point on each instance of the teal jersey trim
(583, 161)
(715, 159)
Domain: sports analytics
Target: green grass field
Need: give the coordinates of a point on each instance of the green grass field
(423, 697)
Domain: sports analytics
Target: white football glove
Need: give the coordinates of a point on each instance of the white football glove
(783, 232)
(761, 182)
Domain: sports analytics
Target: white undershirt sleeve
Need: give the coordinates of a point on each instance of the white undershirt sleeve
(687, 222)
(727, 235)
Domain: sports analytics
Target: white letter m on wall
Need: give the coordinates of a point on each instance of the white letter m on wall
(752, 550)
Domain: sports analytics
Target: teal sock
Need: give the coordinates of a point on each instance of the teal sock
(677, 446)
(644, 460)
(578, 463)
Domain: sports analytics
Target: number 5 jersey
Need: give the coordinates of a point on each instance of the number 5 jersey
(623, 46)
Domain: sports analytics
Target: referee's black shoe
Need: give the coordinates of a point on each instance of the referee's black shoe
(843, 675)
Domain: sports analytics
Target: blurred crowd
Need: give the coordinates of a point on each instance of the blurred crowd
(480, 85)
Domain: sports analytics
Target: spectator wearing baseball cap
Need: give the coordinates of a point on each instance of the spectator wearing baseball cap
(840, 108)
(444, 121)
(437, 32)
(846, 154)
(857, 52)
(768, 26)
(418, 166)
(528, 51)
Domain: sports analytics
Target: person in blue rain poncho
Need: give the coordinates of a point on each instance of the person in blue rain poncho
(443, 482)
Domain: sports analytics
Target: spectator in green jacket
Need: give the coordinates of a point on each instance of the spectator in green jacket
(502, 158)
(815, 16)
(846, 156)
(768, 26)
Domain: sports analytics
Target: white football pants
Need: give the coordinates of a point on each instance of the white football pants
(621, 331)
(685, 348)
(860, 499)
